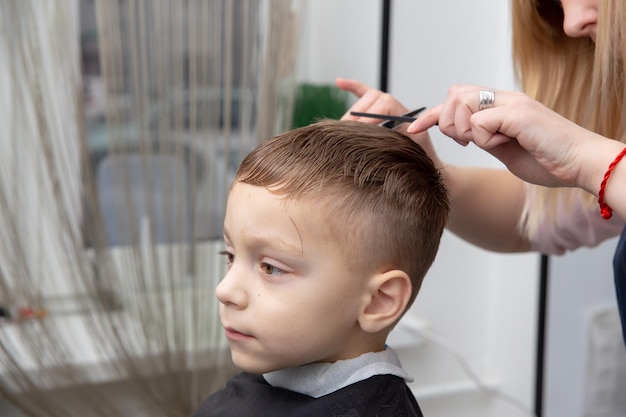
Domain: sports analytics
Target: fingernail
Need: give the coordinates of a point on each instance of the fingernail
(412, 128)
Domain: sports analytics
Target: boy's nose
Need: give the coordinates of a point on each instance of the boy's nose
(580, 18)
(230, 292)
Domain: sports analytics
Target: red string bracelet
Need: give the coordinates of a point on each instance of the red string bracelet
(605, 210)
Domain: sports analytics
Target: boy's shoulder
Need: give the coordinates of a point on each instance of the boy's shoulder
(248, 394)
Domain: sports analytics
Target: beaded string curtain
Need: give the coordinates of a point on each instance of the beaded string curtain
(117, 148)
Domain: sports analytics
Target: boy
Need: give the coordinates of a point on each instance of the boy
(329, 231)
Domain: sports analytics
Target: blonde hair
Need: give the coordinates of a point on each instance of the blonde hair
(384, 200)
(583, 81)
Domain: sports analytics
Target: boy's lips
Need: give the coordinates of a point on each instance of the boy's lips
(233, 334)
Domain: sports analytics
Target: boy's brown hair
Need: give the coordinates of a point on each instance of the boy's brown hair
(385, 201)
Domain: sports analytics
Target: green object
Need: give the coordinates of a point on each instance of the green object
(315, 102)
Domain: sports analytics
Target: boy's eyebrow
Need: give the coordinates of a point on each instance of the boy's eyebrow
(282, 245)
(272, 241)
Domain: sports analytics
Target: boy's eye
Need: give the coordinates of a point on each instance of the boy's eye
(229, 257)
(270, 269)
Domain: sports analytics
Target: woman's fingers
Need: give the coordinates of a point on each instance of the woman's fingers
(370, 100)
(353, 86)
(426, 119)
(456, 118)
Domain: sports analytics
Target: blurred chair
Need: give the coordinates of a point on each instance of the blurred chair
(144, 197)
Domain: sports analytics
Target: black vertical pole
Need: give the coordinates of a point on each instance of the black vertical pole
(541, 334)
(384, 49)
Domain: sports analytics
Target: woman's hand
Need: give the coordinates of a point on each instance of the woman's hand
(535, 143)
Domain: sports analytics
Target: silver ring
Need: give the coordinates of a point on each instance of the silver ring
(486, 100)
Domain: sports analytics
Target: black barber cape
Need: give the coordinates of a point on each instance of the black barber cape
(249, 395)
(619, 269)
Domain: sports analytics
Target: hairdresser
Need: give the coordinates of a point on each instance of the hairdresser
(562, 139)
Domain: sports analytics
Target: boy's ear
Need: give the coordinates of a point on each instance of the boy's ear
(387, 297)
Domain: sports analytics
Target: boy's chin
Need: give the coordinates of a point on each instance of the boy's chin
(250, 365)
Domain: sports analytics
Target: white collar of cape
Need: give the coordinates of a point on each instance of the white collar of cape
(319, 379)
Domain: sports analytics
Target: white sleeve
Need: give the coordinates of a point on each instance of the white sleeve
(578, 225)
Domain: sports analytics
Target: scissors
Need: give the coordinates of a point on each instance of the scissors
(391, 121)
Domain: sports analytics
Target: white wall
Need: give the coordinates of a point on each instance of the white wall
(339, 39)
(483, 304)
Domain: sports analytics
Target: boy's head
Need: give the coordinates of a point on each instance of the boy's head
(333, 226)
